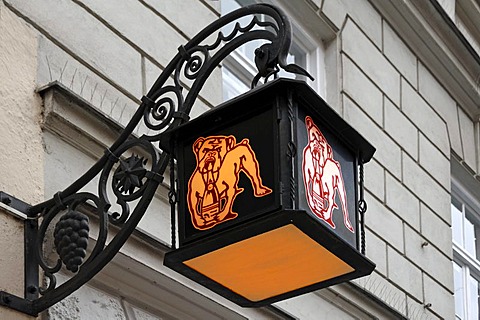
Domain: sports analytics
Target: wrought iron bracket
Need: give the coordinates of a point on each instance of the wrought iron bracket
(133, 176)
(31, 274)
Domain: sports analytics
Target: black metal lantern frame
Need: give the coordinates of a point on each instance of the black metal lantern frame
(131, 176)
(251, 226)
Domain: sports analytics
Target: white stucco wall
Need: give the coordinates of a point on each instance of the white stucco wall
(21, 157)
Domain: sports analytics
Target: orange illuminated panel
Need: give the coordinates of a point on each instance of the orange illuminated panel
(212, 187)
(270, 264)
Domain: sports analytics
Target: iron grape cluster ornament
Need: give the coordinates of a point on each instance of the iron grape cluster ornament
(71, 239)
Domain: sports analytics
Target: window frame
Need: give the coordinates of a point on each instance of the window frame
(469, 264)
(314, 50)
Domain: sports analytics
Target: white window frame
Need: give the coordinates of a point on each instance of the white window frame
(469, 264)
(244, 70)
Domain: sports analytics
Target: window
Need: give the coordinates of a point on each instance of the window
(466, 250)
(239, 68)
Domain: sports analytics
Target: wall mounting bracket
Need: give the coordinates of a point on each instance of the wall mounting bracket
(132, 176)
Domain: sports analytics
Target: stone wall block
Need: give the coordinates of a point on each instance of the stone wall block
(361, 11)
(441, 300)
(376, 250)
(212, 90)
(436, 230)
(385, 290)
(384, 223)
(401, 129)
(417, 310)
(182, 13)
(140, 25)
(442, 102)
(434, 162)
(140, 314)
(375, 178)
(335, 11)
(87, 37)
(372, 62)
(88, 303)
(153, 33)
(58, 153)
(399, 54)
(405, 204)
(426, 188)
(151, 73)
(425, 118)
(362, 90)
(54, 64)
(429, 258)
(404, 273)
(215, 5)
(388, 152)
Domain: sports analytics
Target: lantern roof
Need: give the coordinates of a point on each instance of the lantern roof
(237, 108)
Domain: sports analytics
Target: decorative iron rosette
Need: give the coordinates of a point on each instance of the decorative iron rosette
(71, 239)
(129, 175)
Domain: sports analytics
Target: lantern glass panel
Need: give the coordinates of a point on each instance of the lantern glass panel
(294, 261)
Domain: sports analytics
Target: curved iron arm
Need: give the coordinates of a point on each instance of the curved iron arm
(132, 168)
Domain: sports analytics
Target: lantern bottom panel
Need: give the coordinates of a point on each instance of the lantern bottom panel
(287, 254)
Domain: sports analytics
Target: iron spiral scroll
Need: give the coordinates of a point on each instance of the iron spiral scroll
(133, 167)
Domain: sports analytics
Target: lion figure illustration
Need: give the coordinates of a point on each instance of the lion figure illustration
(322, 177)
(212, 187)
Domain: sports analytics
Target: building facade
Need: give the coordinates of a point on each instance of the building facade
(405, 74)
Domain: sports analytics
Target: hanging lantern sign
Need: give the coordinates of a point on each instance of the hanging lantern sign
(269, 196)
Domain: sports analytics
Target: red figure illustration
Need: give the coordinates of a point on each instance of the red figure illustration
(322, 177)
(212, 187)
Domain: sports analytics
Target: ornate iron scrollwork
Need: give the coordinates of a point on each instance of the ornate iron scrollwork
(135, 166)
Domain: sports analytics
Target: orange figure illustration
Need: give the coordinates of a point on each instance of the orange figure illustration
(322, 177)
(212, 187)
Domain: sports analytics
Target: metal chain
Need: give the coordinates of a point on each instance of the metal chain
(362, 208)
(292, 151)
(172, 199)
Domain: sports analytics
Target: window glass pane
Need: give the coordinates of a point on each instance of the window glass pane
(290, 59)
(473, 298)
(473, 219)
(297, 56)
(248, 49)
(469, 233)
(459, 291)
(466, 272)
(241, 63)
(457, 223)
(232, 85)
